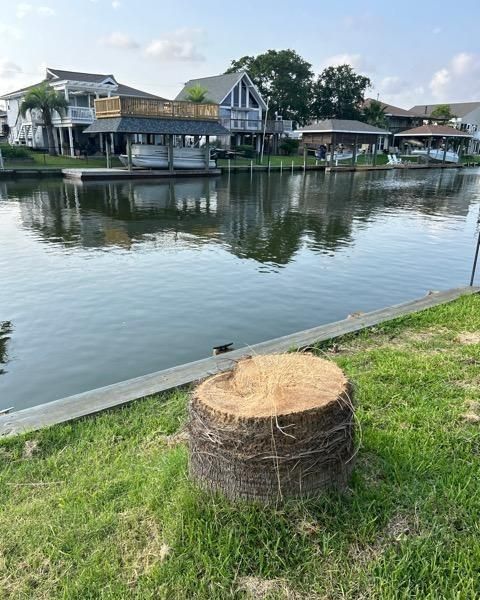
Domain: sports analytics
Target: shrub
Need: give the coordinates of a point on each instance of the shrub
(247, 150)
(289, 146)
(12, 152)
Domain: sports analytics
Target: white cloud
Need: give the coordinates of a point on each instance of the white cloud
(181, 45)
(356, 61)
(10, 31)
(437, 30)
(9, 69)
(116, 4)
(24, 10)
(120, 40)
(459, 80)
(398, 91)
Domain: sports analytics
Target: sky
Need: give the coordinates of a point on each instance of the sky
(414, 51)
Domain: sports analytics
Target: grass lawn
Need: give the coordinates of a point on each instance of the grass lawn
(103, 508)
(59, 162)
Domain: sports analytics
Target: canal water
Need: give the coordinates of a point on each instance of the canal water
(102, 282)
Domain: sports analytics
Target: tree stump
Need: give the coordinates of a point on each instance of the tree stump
(276, 427)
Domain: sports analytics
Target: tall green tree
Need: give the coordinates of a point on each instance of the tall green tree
(47, 101)
(374, 114)
(197, 94)
(284, 77)
(339, 93)
(442, 111)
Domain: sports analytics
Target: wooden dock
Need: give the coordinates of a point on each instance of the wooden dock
(123, 173)
(118, 394)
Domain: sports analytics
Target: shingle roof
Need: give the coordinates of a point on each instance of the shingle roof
(156, 126)
(433, 131)
(390, 109)
(79, 76)
(459, 109)
(342, 126)
(123, 90)
(217, 86)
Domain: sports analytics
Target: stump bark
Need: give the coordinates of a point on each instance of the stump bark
(276, 427)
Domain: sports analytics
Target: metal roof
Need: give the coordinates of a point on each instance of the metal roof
(156, 126)
(433, 131)
(342, 126)
(459, 109)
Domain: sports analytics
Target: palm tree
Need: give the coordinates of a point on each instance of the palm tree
(47, 100)
(374, 114)
(197, 94)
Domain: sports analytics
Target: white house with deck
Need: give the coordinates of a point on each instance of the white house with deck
(80, 91)
(243, 111)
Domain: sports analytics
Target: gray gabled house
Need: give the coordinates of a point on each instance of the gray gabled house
(242, 108)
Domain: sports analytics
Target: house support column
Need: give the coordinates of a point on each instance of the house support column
(70, 142)
(207, 153)
(101, 142)
(112, 143)
(170, 153)
(107, 150)
(58, 139)
(375, 146)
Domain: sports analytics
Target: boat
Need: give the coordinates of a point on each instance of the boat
(438, 155)
(150, 156)
(340, 156)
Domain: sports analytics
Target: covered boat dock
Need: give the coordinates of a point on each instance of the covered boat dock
(159, 125)
(435, 141)
(336, 134)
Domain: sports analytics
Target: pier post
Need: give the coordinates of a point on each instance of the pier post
(355, 143)
(170, 153)
(129, 151)
(207, 153)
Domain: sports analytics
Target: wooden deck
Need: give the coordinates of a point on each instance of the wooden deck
(132, 106)
(121, 393)
(122, 173)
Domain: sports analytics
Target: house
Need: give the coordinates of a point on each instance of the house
(467, 119)
(3, 124)
(80, 90)
(396, 119)
(242, 109)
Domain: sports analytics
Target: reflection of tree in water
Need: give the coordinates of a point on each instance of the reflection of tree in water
(6, 329)
(266, 218)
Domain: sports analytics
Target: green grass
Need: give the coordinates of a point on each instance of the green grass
(103, 508)
(39, 160)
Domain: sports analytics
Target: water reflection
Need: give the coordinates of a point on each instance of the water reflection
(267, 219)
(6, 329)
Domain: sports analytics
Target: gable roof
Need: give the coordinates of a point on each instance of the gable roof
(58, 74)
(433, 131)
(342, 126)
(390, 109)
(218, 86)
(459, 109)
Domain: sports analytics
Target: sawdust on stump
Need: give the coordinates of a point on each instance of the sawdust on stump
(276, 427)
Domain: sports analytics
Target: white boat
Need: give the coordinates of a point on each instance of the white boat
(149, 156)
(339, 156)
(451, 157)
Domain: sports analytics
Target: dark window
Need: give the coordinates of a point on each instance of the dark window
(244, 94)
(235, 96)
(253, 102)
(228, 100)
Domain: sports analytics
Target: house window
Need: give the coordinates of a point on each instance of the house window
(236, 96)
(228, 100)
(253, 102)
(243, 98)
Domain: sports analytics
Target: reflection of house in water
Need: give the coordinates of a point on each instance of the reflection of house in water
(6, 329)
(264, 218)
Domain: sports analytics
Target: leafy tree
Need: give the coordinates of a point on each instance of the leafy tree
(197, 94)
(284, 77)
(339, 93)
(374, 113)
(442, 111)
(46, 100)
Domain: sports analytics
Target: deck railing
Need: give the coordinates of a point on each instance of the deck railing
(257, 125)
(131, 106)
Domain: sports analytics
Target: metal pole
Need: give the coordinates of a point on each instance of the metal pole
(251, 167)
(292, 167)
(474, 268)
